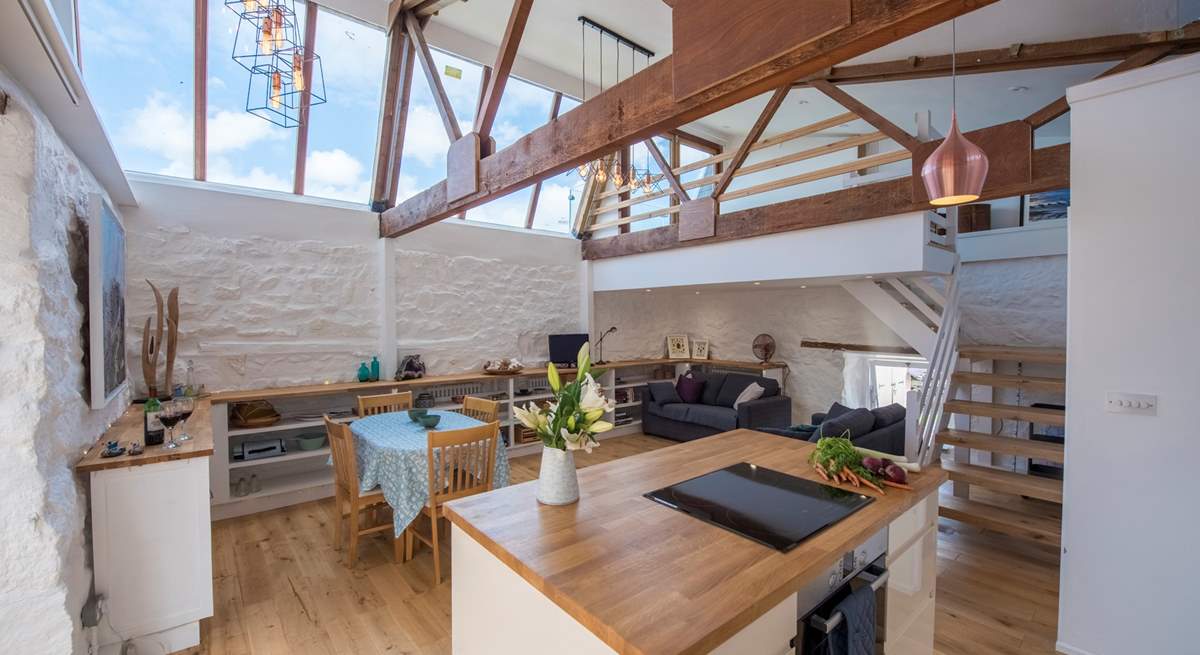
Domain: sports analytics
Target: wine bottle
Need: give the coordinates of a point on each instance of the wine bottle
(152, 427)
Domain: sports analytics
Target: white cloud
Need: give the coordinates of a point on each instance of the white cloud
(230, 131)
(162, 127)
(333, 167)
(215, 82)
(554, 208)
(425, 136)
(221, 170)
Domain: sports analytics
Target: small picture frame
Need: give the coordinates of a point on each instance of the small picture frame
(700, 349)
(677, 346)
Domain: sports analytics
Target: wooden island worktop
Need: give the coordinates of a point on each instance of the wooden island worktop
(647, 579)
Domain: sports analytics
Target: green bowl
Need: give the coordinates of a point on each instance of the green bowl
(430, 421)
(310, 441)
(416, 413)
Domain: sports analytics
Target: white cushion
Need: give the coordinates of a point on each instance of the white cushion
(752, 392)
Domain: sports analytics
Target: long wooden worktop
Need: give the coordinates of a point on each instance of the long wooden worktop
(456, 378)
(128, 428)
(647, 579)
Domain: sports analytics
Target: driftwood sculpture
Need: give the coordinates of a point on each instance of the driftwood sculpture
(152, 344)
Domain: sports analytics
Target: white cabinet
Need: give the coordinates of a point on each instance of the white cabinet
(152, 549)
(911, 588)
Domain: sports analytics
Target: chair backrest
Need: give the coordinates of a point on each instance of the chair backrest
(345, 461)
(388, 402)
(461, 462)
(481, 409)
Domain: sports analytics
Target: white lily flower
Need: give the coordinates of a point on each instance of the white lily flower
(529, 416)
(592, 398)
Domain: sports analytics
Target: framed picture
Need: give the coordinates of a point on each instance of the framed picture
(677, 346)
(106, 303)
(1046, 206)
(700, 349)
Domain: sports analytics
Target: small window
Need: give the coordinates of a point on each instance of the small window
(891, 380)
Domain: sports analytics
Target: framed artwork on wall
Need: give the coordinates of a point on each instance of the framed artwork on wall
(677, 346)
(107, 376)
(700, 349)
(1045, 206)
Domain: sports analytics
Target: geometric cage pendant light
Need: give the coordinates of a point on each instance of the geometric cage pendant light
(954, 173)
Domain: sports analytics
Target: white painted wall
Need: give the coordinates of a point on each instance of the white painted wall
(1129, 527)
(276, 289)
(44, 418)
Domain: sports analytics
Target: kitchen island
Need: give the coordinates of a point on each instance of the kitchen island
(617, 572)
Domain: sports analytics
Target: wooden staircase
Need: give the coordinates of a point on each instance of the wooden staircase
(1020, 510)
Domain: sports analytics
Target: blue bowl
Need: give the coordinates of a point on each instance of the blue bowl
(430, 420)
(417, 414)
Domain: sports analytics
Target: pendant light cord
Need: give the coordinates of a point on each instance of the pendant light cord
(954, 67)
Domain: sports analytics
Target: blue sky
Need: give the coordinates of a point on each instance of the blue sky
(137, 62)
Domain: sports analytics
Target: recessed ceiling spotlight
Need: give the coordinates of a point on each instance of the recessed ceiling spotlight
(803, 286)
(802, 101)
(868, 277)
(697, 293)
(648, 290)
(1018, 89)
(757, 283)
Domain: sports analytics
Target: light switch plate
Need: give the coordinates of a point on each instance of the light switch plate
(1131, 403)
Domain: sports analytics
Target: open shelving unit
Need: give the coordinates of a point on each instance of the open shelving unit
(303, 475)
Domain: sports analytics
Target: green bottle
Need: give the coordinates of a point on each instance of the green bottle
(152, 428)
(364, 373)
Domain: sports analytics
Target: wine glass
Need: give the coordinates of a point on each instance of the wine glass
(169, 417)
(187, 405)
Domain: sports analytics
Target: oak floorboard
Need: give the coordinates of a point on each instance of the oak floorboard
(280, 587)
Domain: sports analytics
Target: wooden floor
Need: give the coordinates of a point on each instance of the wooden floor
(280, 587)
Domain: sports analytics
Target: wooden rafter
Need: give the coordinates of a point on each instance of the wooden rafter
(697, 142)
(401, 125)
(555, 104)
(894, 132)
(1051, 170)
(419, 8)
(641, 106)
(200, 91)
(625, 162)
(415, 32)
(752, 137)
(397, 81)
(665, 167)
(310, 45)
(1019, 56)
(1143, 57)
(490, 105)
(484, 77)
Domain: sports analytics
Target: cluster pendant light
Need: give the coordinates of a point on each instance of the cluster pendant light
(954, 173)
(597, 170)
(282, 68)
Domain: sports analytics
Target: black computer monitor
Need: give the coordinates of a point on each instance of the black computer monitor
(564, 348)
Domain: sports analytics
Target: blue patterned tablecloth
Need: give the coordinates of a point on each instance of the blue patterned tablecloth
(393, 454)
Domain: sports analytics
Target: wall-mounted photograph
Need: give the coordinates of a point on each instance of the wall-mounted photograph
(106, 302)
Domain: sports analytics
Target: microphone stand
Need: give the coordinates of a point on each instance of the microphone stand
(599, 345)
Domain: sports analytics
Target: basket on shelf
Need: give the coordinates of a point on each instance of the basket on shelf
(253, 414)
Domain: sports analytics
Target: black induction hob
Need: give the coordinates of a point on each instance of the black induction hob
(772, 508)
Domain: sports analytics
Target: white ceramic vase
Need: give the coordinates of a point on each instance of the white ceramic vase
(557, 482)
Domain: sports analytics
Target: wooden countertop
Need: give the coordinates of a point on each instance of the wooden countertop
(129, 428)
(649, 580)
(475, 376)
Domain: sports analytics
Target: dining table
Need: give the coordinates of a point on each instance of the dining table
(392, 454)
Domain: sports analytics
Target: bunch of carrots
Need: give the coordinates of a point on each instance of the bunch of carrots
(837, 460)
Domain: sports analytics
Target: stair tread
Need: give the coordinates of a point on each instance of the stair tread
(1015, 353)
(999, 519)
(1007, 481)
(1004, 445)
(1029, 382)
(1015, 412)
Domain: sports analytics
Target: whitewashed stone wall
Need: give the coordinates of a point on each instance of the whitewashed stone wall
(1015, 301)
(45, 422)
(730, 319)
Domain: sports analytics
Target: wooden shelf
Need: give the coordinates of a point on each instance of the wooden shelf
(1006, 481)
(288, 483)
(287, 425)
(1003, 445)
(1014, 412)
(290, 457)
(633, 403)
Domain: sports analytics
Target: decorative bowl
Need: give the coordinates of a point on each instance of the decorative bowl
(430, 420)
(417, 413)
(310, 441)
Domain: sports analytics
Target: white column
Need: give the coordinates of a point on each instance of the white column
(587, 303)
(387, 307)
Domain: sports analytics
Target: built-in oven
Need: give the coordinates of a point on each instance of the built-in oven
(818, 615)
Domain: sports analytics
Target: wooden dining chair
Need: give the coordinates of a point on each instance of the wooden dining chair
(481, 409)
(461, 463)
(349, 500)
(382, 403)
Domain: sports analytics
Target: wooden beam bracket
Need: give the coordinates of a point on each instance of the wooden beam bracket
(698, 218)
(462, 167)
(489, 104)
(665, 168)
(752, 137)
(894, 132)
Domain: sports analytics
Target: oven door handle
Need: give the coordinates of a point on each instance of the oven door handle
(829, 625)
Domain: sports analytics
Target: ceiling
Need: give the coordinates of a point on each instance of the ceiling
(552, 38)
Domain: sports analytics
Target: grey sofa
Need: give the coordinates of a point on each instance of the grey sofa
(879, 429)
(665, 415)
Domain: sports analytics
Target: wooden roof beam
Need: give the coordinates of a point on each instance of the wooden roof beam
(752, 137)
(555, 105)
(894, 132)
(1143, 57)
(490, 101)
(1019, 56)
(665, 167)
(419, 8)
(642, 105)
(394, 119)
(414, 26)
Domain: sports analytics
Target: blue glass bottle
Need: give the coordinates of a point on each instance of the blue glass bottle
(374, 369)
(364, 373)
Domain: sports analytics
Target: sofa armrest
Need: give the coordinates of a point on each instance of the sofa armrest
(772, 412)
(818, 418)
(888, 439)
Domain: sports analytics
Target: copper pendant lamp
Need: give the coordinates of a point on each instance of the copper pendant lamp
(954, 173)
